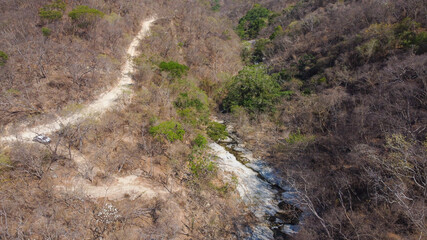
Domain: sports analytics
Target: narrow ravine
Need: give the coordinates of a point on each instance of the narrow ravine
(267, 197)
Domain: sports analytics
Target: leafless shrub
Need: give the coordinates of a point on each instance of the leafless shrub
(31, 159)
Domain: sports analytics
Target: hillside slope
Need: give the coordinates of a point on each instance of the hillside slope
(349, 128)
(330, 96)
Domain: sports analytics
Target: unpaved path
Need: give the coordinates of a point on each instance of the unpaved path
(114, 188)
(118, 188)
(103, 103)
(131, 186)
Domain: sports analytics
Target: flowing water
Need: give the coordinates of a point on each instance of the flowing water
(267, 197)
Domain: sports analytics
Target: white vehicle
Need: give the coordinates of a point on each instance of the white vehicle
(40, 138)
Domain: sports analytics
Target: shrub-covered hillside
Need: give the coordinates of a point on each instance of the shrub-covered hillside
(332, 94)
(349, 130)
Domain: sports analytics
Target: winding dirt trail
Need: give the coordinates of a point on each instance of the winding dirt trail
(103, 103)
(259, 193)
(118, 187)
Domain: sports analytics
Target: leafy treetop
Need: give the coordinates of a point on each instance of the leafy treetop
(85, 15)
(170, 130)
(217, 131)
(254, 20)
(174, 68)
(254, 89)
(52, 11)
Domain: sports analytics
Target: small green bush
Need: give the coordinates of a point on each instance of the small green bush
(52, 11)
(200, 166)
(175, 69)
(193, 107)
(217, 131)
(322, 80)
(46, 31)
(50, 14)
(84, 15)
(188, 115)
(83, 11)
(254, 89)
(170, 130)
(153, 120)
(297, 137)
(3, 58)
(186, 101)
(306, 91)
(277, 32)
(200, 141)
(215, 5)
(193, 117)
(226, 35)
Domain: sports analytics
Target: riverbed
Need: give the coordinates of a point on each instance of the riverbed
(266, 195)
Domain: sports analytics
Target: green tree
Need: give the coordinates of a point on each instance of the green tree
(200, 141)
(170, 130)
(175, 69)
(84, 15)
(53, 11)
(254, 89)
(254, 20)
